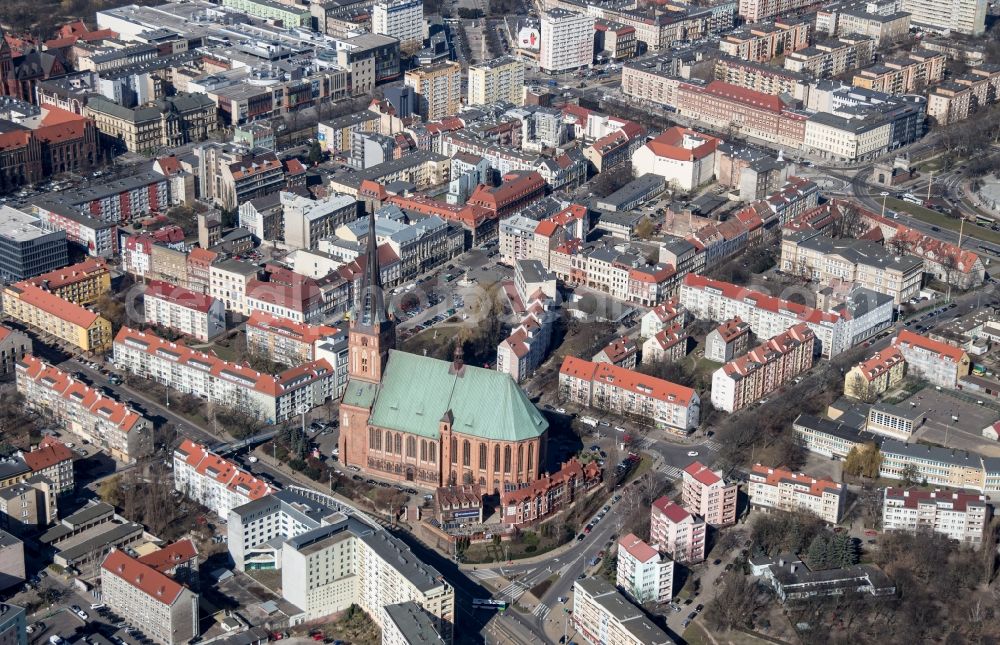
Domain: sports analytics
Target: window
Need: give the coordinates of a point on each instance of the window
(398, 444)
(531, 461)
(388, 441)
(432, 453)
(506, 459)
(466, 449)
(496, 458)
(423, 450)
(482, 456)
(454, 450)
(411, 447)
(520, 459)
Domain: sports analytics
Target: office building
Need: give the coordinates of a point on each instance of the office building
(307, 221)
(643, 573)
(407, 623)
(167, 123)
(963, 517)
(567, 41)
(438, 88)
(601, 614)
(500, 79)
(786, 490)
(400, 19)
(26, 247)
(707, 494)
(677, 532)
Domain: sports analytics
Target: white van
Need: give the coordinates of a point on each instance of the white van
(590, 421)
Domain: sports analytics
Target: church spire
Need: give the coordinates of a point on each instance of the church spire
(372, 300)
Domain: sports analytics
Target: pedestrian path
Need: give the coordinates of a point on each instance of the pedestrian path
(670, 471)
(484, 574)
(541, 611)
(713, 445)
(513, 591)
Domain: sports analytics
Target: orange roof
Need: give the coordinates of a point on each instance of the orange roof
(65, 386)
(301, 332)
(546, 227)
(210, 465)
(944, 350)
(668, 309)
(770, 351)
(637, 548)
(620, 377)
(52, 304)
(702, 474)
(670, 144)
(672, 510)
(732, 329)
(141, 576)
(5, 332)
(780, 475)
(69, 275)
(763, 301)
(49, 452)
(569, 470)
(179, 296)
(171, 556)
(169, 165)
(199, 255)
(743, 95)
(880, 362)
(670, 336)
(569, 214)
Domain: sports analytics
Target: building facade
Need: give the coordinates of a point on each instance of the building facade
(501, 79)
(567, 41)
(194, 314)
(962, 517)
(677, 532)
(707, 494)
(786, 490)
(939, 363)
(643, 573)
(48, 313)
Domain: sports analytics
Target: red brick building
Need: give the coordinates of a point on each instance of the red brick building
(548, 495)
(517, 190)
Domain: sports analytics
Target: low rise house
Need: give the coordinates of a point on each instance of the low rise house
(622, 352)
(668, 345)
(875, 375)
(82, 541)
(793, 580)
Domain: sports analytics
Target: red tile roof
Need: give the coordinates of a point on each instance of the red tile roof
(210, 465)
(761, 300)
(670, 144)
(637, 548)
(732, 329)
(301, 332)
(944, 350)
(702, 474)
(49, 452)
(770, 351)
(779, 475)
(171, 556)
(914, 497)
(141, 576)
(54, 305)
(627, 379)
(880, 362)
(70, 275)
(743, 95)
(179, 296)
(546, 227)
(672, 510)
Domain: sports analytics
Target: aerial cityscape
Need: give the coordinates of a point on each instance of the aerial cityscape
(448, 322)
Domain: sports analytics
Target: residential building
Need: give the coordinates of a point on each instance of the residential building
(549, 494)
(212, 481)
(765, 41)
(335, 135)
(438, 88)
(167, 123)
(400, 19)
(964, 95)
(282, 340)
(27, 248)
(728, 341)
(500, 79)
(905, 75)
(934, 465)
(875, 375)
(12, 574)
(111, 201)
(762, 77)
(861, 316)
(107, 423)
(616, 389)
(614, 41)
(165, 610)
(48, 313)
(668, 345)
(786, 490)
(82, 283)
(307, 221)
(195, 314)
(966, 17)
(528, 343)
(748, 378)
(407, 623)
(517, 189)
(230, 175)
(677, 532)
(622, 352)
(13, 346)
(832, 57)
(616, 148)
(860, 262)
(288, 15)
(662, 316)
(757, 10)
(285, 293)
(643, 573)
(567, 41)
(938, 362)
(684, 158)
(229, 280)
(97, 237)
(707, 494)
(601, 614)
(963, 517)
(370, 59)
(54, 461)
(262, 216)
(27, 507)
(884, 23)
(270, 398)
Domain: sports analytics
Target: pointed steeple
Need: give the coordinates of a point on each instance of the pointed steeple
(372, 302)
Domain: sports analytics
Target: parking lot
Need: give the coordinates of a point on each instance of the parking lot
(953, 422)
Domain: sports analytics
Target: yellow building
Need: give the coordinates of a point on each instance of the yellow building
(438, 88)
(907, 74)
(875, 375)
(81, 283)
(48, 313)
(496, 80)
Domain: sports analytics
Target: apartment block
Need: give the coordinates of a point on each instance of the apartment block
(601, 614)
(938, 362)
(707, 494)
(663, 315)
(212, 481)
(753, 114)
(728, 341)
(567, 41)
(765, 41)
(748, 378)
(272, 398)
(884, 24)
(438, 88)
(13, 346)
(282, 340)
(962, 517)
(82, 283)
(962, 17)
(785, 490)
(668, 345)
(860, 262)
(67, 322)
(410, 624)
(307, 221)
(760, 77)
(228, 282)
(400, 19)
(829, 438)
(875, 375)
(54, 461)
(910, 73)
(964, 95)
(194, 314)
(110, 425)
(230, 175)
(677, 532)
(643, 573)
(500, 79)
(165, 610)
(757, 10)
(832, 57)
(616, 389)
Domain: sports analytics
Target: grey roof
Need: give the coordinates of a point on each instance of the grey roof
(414, 623)
(6, 539)
(642, 629)
(107, 188)
(354, 178)
(991, 464)
(862, 301)
(619, 218)
(903, 411)
(863, 252)
(304, 510)
(643, 187)
(369, 41)
(351, 119)
(931, 453)
(237, 266)
(534, 271)
(151, 112)
(835, 428)
(12, 468)
(113, 535)
(394, 551)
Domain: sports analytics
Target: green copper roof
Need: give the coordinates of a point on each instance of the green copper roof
(418, 391)
(359, 393)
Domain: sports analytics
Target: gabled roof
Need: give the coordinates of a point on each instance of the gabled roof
(702, 474)
(141, 576)
(672, 510)
(171, 556)
(782, 475)
(671, 144)
(944, 350)
(53, 304)
(49, 452)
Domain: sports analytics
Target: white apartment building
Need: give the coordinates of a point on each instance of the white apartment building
(107, 423)
(500, 79)
(307, 221)
(643, 573)
(942, 364)
(706, 493)
(268, 397)
(962, 517)
(285, 341)
(676, 531)
(847, 138)
(165, 610)
(214, 482)
(228, 282)
(401, 19)
(409, 624)
(329, 560)
(960, 16)
(785, 490)
(603, 616)
(194, 314)
(861, 316)
(567, 41)
(662, 316)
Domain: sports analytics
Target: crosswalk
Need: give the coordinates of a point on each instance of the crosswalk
(485, 574)
(670, 471)
(513, 591)
(541, 611)
(712, 445)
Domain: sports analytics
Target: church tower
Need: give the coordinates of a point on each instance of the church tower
(6, 64)
(372, 332)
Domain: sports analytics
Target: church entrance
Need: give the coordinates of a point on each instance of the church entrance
(409, 474)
